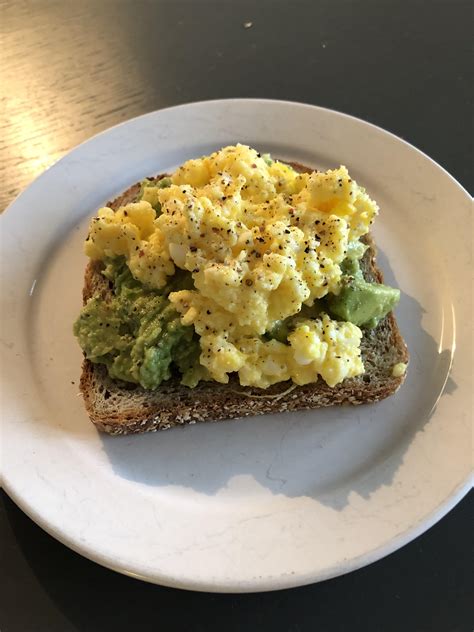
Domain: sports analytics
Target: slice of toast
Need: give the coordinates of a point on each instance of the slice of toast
(123, 408)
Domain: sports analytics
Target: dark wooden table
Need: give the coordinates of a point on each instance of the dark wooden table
(71, 69)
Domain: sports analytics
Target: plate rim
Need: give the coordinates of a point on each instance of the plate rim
(233, 100)
(275, 582)
(270, 584)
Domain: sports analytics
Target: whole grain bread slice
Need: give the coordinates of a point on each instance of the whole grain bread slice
(122, 408)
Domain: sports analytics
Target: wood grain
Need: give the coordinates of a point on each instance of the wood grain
(63, 83)
(71, 69)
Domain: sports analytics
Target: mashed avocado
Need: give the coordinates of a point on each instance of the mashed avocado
(210, 270)
(283, 328)
(137, 334)
(150, 189)
(360, 302)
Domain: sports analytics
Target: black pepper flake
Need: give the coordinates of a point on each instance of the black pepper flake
(248, 282)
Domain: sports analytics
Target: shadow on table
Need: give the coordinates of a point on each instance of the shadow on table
(299, 454)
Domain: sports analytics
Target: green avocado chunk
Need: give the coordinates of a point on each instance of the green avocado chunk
(282, 328)
(360, 302)
(137, 334)
(150, 190)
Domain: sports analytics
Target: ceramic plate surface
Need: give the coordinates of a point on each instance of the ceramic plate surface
(262, 503)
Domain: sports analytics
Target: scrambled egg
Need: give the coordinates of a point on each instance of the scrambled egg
(260, 241)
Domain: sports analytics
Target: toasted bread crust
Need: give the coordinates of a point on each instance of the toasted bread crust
(119, 408)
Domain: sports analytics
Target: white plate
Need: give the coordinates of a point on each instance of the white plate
(262, 503)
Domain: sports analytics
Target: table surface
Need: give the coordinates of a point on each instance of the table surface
(71, 69)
